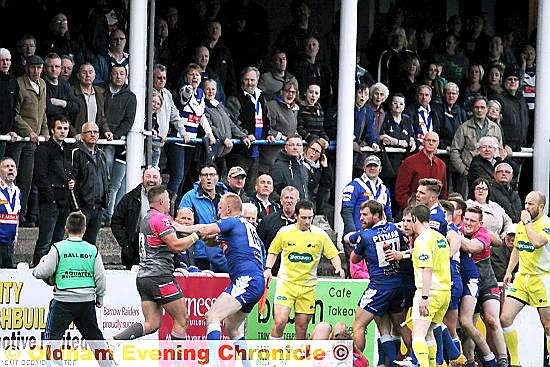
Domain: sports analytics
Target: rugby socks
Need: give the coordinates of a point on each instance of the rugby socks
(458, 344)
(449, 347)
(511, 339)
(214, 332)
(439, 342)
(489, 360)
(381, 354)
(420, 348)
(389, 348)
(397, 341)
(134, 331)
(432, 353)
(240, 344)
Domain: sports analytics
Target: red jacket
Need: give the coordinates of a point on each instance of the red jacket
(415, 168)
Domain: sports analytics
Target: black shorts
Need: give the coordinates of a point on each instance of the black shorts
(485, 295)
(162, 289)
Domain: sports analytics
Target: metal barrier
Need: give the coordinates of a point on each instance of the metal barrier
(524, 153)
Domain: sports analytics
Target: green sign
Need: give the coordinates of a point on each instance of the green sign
(336, 301)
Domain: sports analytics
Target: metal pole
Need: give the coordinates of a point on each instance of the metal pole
(541, 162)
(138, 54)
(150, 57)
(346, 91)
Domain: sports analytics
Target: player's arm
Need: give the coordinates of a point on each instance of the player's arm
(472, 246)
(180, 244)
(536, 239)
(512, 263)
(454, 242)
(337, 264)
(426, 285)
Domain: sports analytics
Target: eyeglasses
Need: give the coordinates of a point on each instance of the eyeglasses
(90, 132)
(316, 150)
(209, 174)
(61, 22)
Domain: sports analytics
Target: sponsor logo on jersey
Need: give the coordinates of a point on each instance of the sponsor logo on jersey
(441, 243)
(525, 246)
(296, 257)
(423, 257)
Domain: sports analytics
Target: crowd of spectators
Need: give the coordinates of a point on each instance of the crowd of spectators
(216, 78)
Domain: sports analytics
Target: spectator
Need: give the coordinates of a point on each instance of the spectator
(169, 115)
(367, 187)
(454, 64)
(201, 57)
(423, 118)
(451, 115)
(310, 69)
(270, 225)
(311, 118)
(283, 119)
(464, 143)
(236, 179)
(204, 199)
(115, 56)
(223, 128)
(91, 101)
(528, 86)
(489, 155)
(500, 256)
(321, 179)
(60, 41)
(249, 106)
(129, 214)
(67, 66)
(11, 196)
(120, 112)
(391, 58)
(26, 47)
(495, 53)
(472, 88)
(493, 85)
(185, 217)
(221, 60)
(476, 41)
(54, 179)
(515, 113)
(495, 218)
(92, 180)
(261, 197)
(503, 193)
(30, 121)
(163, 45)
(271, 82)
(250, 213)
(423, 164)
(59, 97)
(159, 131)
(408, 73)
(430, 76)
(8, 88)
(364, 133)
(396, 131)
(289, 169)
(378, 94)
(192, 108)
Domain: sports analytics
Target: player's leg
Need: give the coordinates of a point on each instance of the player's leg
(301, 322)
(512, 306)
(304, 309)
(322, 331)
(178, 312)
(491, 317)
(544, 314)
(466, 318)
(224, 306)
(360, 323)
(280, 318)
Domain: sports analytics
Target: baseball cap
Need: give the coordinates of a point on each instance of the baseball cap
(372, 159)
(236, 171)
(511, 229)
(35, 60)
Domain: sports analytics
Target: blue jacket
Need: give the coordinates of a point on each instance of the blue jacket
(206, 211)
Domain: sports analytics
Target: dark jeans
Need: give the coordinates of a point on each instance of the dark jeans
(23, 155)
(6, 257)
(60, 316)
(175, 158)
(51, 228)
(3, 145)
(93, 224)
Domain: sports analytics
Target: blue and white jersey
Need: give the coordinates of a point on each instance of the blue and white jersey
(452, 227)
(243, 248)
(370, 245)
(362, 189)
(10, 206)
(437, 219)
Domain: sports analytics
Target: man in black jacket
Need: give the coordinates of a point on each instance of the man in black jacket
(92, 180)
(289, 169)
(504, 194)
(270, 225)
(53, 177)
(128, 215)
(8, 85)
